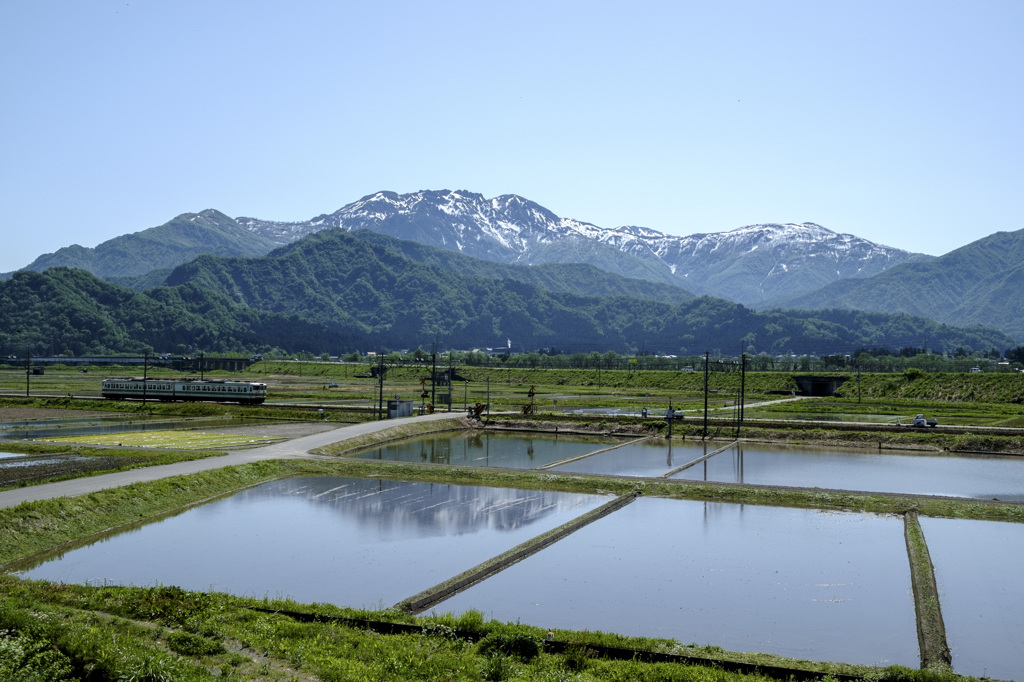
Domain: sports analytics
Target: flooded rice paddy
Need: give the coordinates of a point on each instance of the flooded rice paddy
(471, 448)
(977, 567)
(793, 582)
(356, 542)
(979, 477)
(39, 430)
(971, 476)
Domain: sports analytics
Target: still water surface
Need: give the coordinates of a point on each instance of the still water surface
(793, 582)
(653, 457)
(82, 427)
(977, 567)
(355, 542)
(472, 448)
(978, 477)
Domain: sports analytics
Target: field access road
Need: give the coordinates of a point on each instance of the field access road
(297, 448)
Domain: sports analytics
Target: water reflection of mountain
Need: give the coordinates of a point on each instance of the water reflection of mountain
(490, 449)
(425, 508)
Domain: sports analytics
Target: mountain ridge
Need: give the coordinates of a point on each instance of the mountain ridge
(761, 266)
(979, 282)
(509, 228)
(337, 291)
(180, 239)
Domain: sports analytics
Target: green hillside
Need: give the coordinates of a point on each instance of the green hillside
(574, 278)
(337, 292)
(978, 284)
(177, 241)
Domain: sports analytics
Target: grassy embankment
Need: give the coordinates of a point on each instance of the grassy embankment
(162, 633)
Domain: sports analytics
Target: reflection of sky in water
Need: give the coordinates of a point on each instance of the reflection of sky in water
(848, 469)
(649, 458)
(473, 448)
(92, 426)
(791, 582)
(977, 566)
(354, 542)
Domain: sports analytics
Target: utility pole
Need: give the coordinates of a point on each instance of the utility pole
(706, 357)
(433, 379)
(449, 381)
(380, 379)
(858, 382)
(145, 376)
(743, 390)
(28, 371)
(433, 375)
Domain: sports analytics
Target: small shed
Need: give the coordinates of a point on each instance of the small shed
(399, 408)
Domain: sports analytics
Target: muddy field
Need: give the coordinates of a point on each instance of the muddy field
(30, 469)
(268, 429)
(34, 468)
(22, 414)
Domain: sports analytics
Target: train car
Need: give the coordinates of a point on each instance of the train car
(216, 390)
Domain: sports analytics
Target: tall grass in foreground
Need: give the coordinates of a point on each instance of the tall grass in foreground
(66, 632)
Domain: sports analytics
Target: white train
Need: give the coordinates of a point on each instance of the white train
(217, 390)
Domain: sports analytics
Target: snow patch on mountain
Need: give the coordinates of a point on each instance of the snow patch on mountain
(749, 265)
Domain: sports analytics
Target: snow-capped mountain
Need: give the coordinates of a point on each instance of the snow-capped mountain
(749, 265)
(505, 226)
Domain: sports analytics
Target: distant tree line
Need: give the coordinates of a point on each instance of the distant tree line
(875, 360)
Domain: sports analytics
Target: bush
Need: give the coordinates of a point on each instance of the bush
(187, 644)
(23, 659)
(520, 646)
(577, 657)
(498, 668)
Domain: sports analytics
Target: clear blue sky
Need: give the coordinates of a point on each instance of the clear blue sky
(900, 122)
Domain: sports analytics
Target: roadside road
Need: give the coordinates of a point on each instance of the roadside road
(296, 448)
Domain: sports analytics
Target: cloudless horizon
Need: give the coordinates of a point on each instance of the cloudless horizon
(895, 122)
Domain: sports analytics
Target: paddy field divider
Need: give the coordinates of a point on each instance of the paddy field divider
(435, 595)
(931, 629)
(567, 460)
(709, 455)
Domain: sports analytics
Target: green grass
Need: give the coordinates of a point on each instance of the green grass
(955, 398)
(178, 440)
(165, 633)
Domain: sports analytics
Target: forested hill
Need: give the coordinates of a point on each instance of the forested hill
(978, 284)
(574, 278)
(334, 292)
(177, 241)
(64, 310)
(370, 288)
